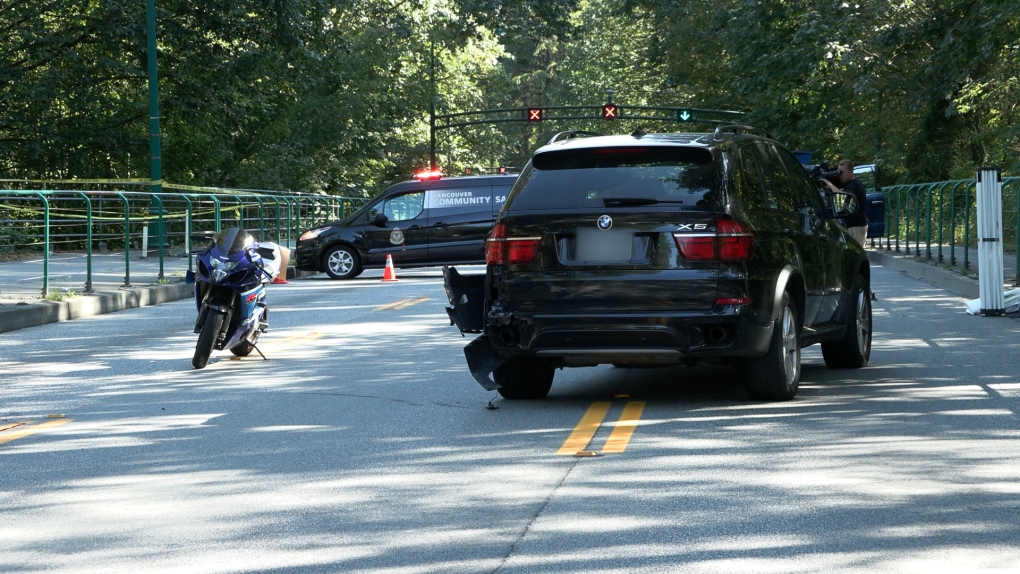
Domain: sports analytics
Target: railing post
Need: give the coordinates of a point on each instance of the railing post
(899, 205)
(262, 219)
(127, 239)
(276, 212)
(219, 222)
(927, 246)
(240, 211)
(942, 210)
(158, 203)
(917, 221)
(46, 244)
(290, 221)
(966, 228)
(88, 241)
(906, 234)
(187, 229)
(952, 222)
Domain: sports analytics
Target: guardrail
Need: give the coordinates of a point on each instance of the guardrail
(81, 220)
(930, 217)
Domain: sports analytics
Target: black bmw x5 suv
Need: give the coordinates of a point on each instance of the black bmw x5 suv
(661, 249)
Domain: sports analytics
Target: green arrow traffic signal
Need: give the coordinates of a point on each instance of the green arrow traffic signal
(684, 115)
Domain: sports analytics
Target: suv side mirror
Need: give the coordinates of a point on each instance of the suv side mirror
(380, 220)
(843, 204)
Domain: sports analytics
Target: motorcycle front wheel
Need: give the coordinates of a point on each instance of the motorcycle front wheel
(207, 339)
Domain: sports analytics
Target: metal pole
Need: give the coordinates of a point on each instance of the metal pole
(155, 164)
(432, 101)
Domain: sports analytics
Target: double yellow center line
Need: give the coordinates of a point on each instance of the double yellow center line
(578, 441)
(14, 431)
(402, 304)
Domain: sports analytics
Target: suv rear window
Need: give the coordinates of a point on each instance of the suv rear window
(683, 177)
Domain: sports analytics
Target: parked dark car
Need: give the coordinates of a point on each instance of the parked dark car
(424, 222)
(664, 249)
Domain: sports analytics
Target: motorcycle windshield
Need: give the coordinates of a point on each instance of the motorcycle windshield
(234, 240)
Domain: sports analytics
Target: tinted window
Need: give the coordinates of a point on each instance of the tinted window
(799, 180)
(746, 181)
(777, 183)
(401, 207)
(685, 177)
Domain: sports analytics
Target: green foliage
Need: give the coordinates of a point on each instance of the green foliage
(334, 96)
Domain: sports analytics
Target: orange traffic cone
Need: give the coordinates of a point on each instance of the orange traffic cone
(390, 274)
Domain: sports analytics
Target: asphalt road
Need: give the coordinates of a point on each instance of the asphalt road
(363, 445)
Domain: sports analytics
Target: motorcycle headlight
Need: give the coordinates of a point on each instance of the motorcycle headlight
(220, 268)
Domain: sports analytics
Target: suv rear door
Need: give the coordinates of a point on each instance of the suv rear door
(788, 222)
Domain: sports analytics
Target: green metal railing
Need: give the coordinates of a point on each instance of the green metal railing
(76, 220)
(930, 218)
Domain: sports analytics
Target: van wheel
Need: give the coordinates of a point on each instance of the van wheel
(775, 376)
(854, 350)
(524, 378)
(342, 262)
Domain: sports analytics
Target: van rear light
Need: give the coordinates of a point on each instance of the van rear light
(730, 242)
(503, 250)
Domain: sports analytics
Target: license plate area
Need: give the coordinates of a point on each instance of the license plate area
(593, 246)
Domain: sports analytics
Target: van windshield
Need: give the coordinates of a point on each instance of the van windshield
(685, 178)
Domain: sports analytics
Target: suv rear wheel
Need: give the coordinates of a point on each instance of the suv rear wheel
(524, 378)
(854, 350)
(775, 376)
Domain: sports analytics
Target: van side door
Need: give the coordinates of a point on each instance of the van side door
(460, 217)
(397, 226)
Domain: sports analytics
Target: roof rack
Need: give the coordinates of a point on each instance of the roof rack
(736, 129)
(572, 134)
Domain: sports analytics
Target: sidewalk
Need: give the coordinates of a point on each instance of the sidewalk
(117, 283)
(921, 264)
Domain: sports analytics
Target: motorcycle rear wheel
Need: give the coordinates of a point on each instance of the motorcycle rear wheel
(242, 349)
(207, 339)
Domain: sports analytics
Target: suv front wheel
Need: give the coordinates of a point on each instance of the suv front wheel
(775, 376)
(854, 350)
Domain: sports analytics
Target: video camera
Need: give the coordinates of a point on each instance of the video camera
(825, 171)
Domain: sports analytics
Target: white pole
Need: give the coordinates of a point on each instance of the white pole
(989, 220)
(145, 240)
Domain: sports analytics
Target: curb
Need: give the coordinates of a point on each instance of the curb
(13, 317)
(41, 312)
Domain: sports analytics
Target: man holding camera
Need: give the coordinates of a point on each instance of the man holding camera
(857, 222)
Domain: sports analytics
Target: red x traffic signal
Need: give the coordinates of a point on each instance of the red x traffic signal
(534, 114)
(609, 112)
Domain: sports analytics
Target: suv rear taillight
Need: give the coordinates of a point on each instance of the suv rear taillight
(730, 242)
(503, 250)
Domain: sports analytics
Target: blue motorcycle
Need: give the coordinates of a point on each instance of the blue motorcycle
(230, 295)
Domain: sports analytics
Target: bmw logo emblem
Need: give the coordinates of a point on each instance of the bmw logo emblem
(605, 222)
